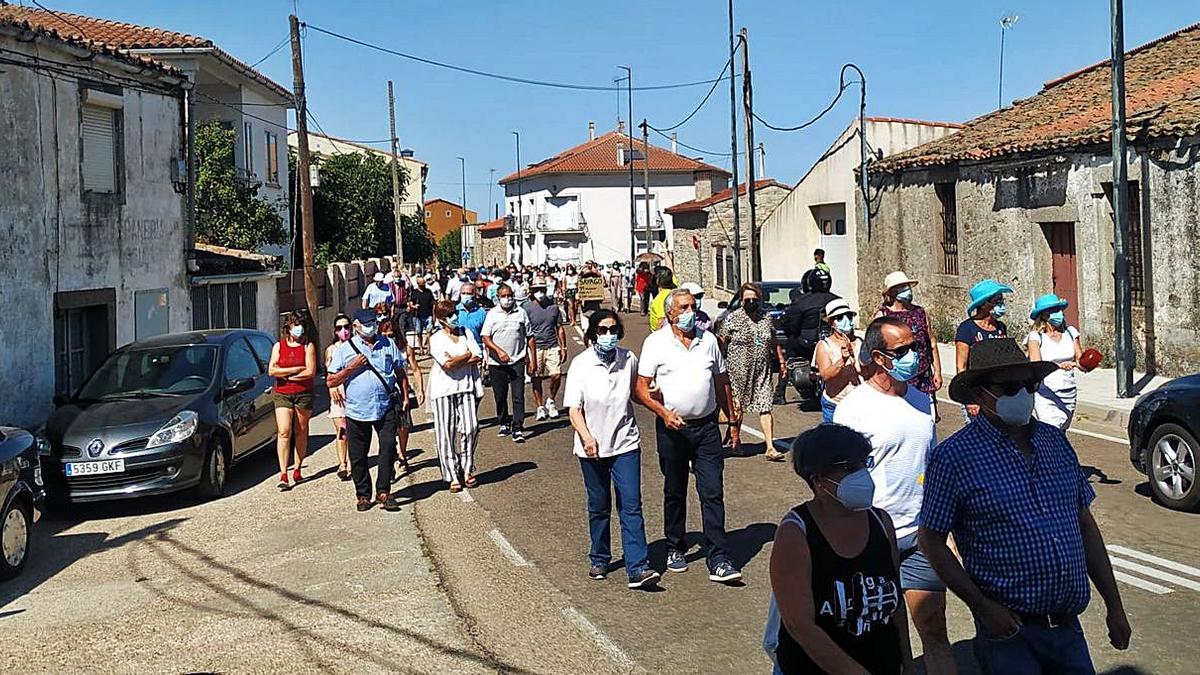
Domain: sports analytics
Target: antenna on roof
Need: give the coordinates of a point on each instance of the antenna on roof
(1007, 21)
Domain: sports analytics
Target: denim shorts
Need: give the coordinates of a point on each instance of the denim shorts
(418, 325)
(916, 574)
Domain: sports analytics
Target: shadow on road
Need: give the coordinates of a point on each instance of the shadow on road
(318, 649)
(1090, 472)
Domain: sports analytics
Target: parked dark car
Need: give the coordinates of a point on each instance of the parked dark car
(162, 415)
(776, 298)
(21, 491)
(1163, 429)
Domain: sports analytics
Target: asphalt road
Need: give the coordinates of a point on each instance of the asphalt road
(694, 625)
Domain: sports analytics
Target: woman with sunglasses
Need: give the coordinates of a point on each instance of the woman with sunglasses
(337, 397)
(293, 364)
(454, 391)
(390, 323)
(835, 578)
(607, 442)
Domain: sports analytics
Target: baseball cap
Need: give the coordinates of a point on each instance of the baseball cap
(692, 287)
(365, 316)
(378, 276)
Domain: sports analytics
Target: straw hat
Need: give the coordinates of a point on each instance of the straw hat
(897, 279)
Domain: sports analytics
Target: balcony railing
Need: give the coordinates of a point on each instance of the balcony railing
(656, 224)
(567, 222)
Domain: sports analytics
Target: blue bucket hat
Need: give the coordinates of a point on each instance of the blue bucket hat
(365, 316)
(1047, 302)
(983, 291)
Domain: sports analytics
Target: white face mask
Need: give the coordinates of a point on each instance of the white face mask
(506, 302)
(1015, 410)
(367, 330)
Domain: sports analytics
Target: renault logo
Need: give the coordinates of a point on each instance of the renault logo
(95, 447)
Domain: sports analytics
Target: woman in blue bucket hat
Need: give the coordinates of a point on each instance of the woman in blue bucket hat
(1053, 340)
(984, 311)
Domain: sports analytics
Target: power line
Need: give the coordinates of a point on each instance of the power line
(705, 153)
(497, 76)
(274, 49)
(62, 18)
(842, 86)
(720, 78)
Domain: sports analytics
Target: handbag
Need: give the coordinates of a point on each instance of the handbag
(395, 394)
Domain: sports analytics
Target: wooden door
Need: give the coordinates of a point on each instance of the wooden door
(1061, 237)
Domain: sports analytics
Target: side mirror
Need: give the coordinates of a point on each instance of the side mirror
(240, 385)
(722, 305)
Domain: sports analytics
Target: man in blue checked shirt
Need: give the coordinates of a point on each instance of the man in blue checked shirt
(1011, 491)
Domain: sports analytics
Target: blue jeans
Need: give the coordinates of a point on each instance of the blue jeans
(600, 475)
(827, 408)
(1035, 649)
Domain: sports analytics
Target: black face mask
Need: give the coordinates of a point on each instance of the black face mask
(751, 305)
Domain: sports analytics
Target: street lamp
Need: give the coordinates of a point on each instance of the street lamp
(1006, 22)
(462, 226)
(520, 223)
(629, 160)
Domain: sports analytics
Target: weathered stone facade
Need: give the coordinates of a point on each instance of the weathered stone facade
(712, 226)
(1005, 211)
(492, 250)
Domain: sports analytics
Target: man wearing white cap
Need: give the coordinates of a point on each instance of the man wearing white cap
(837, 357)
(703, 321)
(377, 292)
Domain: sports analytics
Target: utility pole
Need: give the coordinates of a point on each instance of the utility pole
(733, 158)
(748, 104)
(629, 161)
(463, 225)
(396, 177)
(303, 166)
(762, 160)
(1122, 291)
(520, 220)
(646, 174)
(491, 182)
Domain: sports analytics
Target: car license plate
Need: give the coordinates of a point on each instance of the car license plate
(76, 469)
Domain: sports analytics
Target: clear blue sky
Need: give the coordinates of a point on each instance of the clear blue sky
(933, 59)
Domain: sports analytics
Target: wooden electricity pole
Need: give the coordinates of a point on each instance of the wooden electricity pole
(748, 105)
(303, 166)
(645, 175)
(396, 178)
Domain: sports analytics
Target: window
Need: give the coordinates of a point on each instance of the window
(152, 310)
(427, 214)
(100, 144)
(225, 306)
(448, 214)
(723, 264)
(839, 226)
(946, 197)
(827, 227)
(240, 362)
(1137, 268)
(248, 147)
(272, 164)
(262, 349)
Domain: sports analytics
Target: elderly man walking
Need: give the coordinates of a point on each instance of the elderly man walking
(897, 418)
(682, 380)
(1010, 490)
(371, 367)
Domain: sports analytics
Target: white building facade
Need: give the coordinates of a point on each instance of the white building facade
(575, 206)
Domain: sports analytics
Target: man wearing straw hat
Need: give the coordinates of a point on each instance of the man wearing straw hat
(1010, 490)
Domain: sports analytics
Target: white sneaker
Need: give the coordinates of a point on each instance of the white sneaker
(540, 414)
(550, 409)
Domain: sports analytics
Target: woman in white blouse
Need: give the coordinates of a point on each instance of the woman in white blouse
(454, 389)
(608, 444)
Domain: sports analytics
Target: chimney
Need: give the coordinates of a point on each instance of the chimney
(620, 154)
(621, 127)
(591, 131)
(703, 183)
(674, 142)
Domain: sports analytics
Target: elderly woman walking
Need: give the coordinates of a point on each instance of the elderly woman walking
(454, 389)
(1053, 340)
(748, 338)
(607, 441)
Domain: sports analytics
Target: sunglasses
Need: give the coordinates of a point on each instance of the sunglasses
(606, 330)
(1010, 388)
(341, 326)
(899, 352)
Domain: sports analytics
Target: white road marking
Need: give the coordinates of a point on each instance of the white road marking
(1081, 432)
(1161, 562)
(579, 330)
(507, 549)
(465, 495)
(1156, 574)
(1141, 583)
(778, 443)
(606, 645)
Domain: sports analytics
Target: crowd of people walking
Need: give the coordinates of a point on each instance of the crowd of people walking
(853, 567)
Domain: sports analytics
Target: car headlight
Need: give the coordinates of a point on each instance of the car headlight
(180, 428)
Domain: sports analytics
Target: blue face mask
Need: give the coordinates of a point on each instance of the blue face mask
(999, 311)
(686, 321)
(1057, 319)
(905, 368)
(296, 331)
(905, 294)
(607, 343)
(452, 321)
(844, 324)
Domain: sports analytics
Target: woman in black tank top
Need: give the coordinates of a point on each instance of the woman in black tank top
(834, 567)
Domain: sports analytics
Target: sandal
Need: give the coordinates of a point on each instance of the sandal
(472, 481)
(775, 456)
(343, 474)
(455, 487)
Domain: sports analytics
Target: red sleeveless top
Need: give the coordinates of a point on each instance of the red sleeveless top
(290, 357)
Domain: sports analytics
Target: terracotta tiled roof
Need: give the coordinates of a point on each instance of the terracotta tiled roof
(599, 156)
(1162, 81)
(905, 120)
(128, 36)
(496, 225)
(100, 48)
(723, 195)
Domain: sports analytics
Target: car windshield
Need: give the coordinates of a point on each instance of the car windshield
(151, 372)
(779, 295)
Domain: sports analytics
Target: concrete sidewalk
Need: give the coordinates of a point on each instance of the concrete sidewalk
(1097, 402)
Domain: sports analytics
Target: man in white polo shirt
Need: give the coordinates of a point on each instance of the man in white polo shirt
(687, 372)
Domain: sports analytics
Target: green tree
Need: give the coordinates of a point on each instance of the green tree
(352, 211)
(449, 250)
(229, 211)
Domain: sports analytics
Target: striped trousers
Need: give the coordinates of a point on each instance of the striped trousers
(456, 428)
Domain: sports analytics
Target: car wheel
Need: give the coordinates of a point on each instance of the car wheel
(15, 529)
(1172, 467)
(214, 472)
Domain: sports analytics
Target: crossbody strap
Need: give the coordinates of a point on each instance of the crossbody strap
(371, 366)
